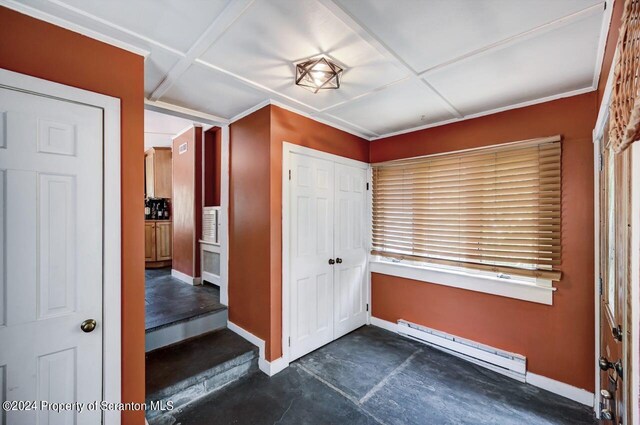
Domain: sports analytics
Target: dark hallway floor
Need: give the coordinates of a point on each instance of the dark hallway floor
(373, 376)
(169, 300)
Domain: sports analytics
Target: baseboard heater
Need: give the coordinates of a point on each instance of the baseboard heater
(510, 364)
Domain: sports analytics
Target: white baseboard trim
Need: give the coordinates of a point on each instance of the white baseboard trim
(390, 326)
(565, 390)
(269, 368)
(185, 277)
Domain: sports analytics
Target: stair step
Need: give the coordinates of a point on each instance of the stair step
(188, 327)
(193, 368)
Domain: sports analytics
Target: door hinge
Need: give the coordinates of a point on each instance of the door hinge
(367, 306)
(289, 341)
(601, 162)
(367, 185)
(289, 174)
(600, 285)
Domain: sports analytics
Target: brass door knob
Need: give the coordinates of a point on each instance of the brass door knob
(88, 325)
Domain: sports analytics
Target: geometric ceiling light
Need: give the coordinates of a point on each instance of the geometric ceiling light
(318, 74)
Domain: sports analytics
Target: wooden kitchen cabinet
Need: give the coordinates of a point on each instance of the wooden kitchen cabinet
(157, 172)
(163, 241)
(158, 243)
(149, 241)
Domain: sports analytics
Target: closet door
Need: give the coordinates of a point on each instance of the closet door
(350, 290)
(311, 247)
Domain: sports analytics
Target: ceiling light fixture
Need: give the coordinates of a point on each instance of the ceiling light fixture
(318, 74)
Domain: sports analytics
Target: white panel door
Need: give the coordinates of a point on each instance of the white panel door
(50, 255)
(311, 248)
(349, 249)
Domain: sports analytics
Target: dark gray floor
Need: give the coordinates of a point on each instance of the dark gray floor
(169, 300)
(372, 376)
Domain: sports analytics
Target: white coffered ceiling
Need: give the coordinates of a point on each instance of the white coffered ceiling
(408, 63)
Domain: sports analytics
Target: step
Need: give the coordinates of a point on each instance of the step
(193, 368)
(184, 328)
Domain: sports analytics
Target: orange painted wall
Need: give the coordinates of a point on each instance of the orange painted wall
(33, 47)
(255, 224)
(249, 227)
(558, 340)
(187, 202)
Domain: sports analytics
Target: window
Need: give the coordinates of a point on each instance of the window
(494, 209)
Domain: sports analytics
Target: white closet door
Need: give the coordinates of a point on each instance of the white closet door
(351, 257)
(311, 248)
(50, 255)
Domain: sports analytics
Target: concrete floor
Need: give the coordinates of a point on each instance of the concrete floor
(373, 376)
(169, 300)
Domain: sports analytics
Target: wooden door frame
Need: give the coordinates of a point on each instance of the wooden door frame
(287, 150)
(111, 285)
(633, 345)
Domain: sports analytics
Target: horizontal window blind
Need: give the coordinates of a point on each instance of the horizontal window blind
(495, 209)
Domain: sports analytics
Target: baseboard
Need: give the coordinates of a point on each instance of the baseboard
(185, 277)
(267, 367)
(271, 368)
(565, 390)
(390, 326)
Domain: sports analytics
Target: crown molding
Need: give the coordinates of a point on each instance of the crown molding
(79, 29)
(571, 93)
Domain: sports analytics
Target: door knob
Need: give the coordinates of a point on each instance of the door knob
(339, 260)
(604, 364)
(88, 325)
(332, 261)
(606, 394)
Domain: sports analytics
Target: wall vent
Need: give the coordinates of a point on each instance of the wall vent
(510, 364)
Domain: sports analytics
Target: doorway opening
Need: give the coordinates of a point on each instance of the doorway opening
(182, 227)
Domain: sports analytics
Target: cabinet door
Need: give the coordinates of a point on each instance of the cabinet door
(149, 175)
(150, 242)
(163, 241)
(162, 173)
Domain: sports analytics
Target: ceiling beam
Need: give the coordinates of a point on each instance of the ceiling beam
(215, 30)
(372, 39)
(251, 83)
(182, 112)
(525, 35)
(367, 35)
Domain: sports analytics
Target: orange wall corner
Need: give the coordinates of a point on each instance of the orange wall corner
(557, 340)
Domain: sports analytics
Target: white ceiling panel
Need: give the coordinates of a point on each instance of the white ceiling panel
(212, 92)
(403, 105)
(271, 35)
(426, 33)
(552, 63)
(478, 55)
(156, 67)
(177, 24)
(155, 122)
